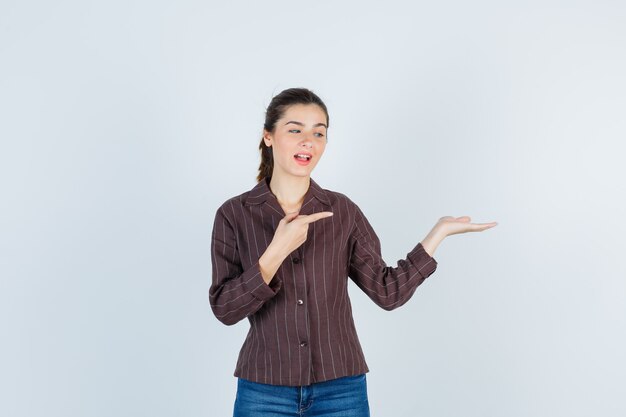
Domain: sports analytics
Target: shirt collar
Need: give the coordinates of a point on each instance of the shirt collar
(262, 193)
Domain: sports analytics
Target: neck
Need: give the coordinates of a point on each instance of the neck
(289, 190)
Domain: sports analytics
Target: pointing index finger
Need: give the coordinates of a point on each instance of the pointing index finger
(316, 216)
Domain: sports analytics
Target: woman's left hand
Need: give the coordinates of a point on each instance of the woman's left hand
(449, 225)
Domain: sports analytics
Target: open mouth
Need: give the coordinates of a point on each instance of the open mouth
(302, 158)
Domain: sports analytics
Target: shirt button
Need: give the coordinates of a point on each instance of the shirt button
(303, 344)
(296, 260)
(300, 302)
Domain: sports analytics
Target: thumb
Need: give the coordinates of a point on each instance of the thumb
(290, 216)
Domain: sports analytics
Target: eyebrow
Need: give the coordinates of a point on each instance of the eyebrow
(302, 124)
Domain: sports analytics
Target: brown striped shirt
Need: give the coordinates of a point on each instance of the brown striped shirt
(301, 325)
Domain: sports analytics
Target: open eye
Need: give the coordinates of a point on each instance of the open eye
(298, 131)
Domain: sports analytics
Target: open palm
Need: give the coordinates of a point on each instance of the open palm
(450, 225)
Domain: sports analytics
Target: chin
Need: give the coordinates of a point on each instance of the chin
(302, 173)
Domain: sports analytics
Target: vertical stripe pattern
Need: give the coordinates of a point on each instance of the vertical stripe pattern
(301, 325)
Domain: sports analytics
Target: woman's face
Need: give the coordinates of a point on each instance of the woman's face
(301, 130)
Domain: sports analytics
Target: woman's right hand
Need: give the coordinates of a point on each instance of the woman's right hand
(292, 230)
(289, 235)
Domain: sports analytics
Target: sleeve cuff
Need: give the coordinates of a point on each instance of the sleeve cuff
(259, 288)
(424, 263)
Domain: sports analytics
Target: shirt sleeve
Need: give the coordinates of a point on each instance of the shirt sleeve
(235, 293)
(389, 287)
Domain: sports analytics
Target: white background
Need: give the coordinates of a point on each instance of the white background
(125, 124)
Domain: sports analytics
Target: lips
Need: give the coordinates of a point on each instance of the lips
(303, 161)
(304, 153)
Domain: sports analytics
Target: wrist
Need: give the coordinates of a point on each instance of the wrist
(275, 253)
(432, 241)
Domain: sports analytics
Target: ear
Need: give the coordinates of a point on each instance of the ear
(267, 138)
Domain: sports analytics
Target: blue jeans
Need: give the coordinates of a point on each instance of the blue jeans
(341, 397)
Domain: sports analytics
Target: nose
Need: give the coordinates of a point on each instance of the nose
(307, 143)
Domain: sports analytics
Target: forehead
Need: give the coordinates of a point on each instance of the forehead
(309, 114)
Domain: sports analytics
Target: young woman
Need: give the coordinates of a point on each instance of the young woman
(282, 254)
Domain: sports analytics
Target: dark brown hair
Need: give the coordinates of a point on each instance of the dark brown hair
(275, 110)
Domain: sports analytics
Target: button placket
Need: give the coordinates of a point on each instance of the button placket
(302, 312)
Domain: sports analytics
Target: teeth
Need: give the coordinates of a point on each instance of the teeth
(303, 156)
